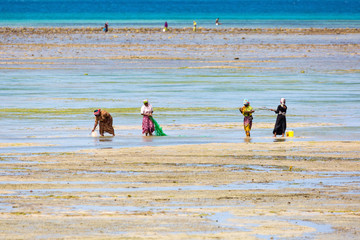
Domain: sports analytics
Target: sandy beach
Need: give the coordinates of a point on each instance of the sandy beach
(215, 185)
(292, 190)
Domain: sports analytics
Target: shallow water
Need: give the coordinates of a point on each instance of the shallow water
(50, 106)
(224, 220)
(54, 107)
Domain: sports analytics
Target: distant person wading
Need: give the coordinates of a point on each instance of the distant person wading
(217, 22)
(165, 27)
(106, 27)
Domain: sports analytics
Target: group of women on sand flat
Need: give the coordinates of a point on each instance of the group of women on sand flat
(105, 121)
(280, 124)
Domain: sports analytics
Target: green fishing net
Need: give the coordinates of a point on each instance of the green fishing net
(158, 129)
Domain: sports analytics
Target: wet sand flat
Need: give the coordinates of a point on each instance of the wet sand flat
(233, 48)
(282, 189)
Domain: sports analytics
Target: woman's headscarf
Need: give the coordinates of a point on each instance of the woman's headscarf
(246, 102)
(97, 112)
(145, 101)
(282, 101)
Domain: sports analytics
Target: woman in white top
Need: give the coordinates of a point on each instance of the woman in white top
(147, 125)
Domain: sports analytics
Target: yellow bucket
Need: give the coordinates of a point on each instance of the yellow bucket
(290, 133)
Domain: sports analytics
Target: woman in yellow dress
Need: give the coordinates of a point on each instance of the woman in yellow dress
(247, 111)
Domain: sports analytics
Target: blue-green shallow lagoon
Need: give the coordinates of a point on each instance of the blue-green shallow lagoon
(53, 108)
(140, 13)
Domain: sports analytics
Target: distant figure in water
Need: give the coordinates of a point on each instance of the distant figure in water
(247, 111)
(280, 124)
(105, 121)
(106, 27)
(217, 22)
(147, 125)
(165, 27)
(194, 29)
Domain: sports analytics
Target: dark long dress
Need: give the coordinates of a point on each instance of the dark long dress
(280, 125)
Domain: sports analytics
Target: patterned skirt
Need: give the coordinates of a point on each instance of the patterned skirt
(106, 126)
(248, 123)
(147, 125)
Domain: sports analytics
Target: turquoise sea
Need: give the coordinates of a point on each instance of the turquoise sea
(181, 13)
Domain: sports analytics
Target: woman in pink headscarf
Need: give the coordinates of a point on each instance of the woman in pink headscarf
(280, 124)
(147, 125)
(105, 121)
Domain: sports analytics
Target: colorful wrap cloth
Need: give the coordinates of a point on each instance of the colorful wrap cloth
(248, 123)
(147, 125)
(247, 116)
(97, 112)
(105, 121)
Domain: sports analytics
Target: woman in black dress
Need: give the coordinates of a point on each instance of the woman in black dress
(280, 125)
